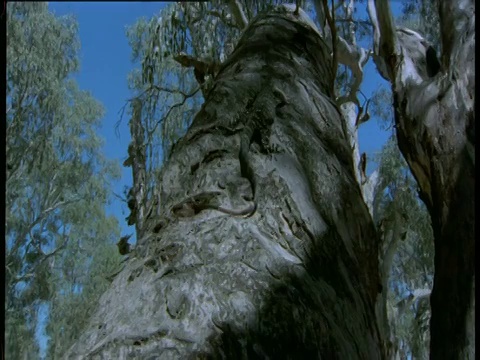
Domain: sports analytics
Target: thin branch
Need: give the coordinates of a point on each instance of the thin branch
(208, 68)
(121, 198)
(35, 222)
(333, 31)
(345, 20)
(185, 97)
(33, 270)
(147, 90)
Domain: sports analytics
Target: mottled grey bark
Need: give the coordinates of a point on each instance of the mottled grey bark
(296, 279)
(435, 121)
(137, 160)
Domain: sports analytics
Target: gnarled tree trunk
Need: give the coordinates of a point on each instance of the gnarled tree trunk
(265, 247)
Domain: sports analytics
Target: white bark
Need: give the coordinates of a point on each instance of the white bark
(435, 121)
(298, 277)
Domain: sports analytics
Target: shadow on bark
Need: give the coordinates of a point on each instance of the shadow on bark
(454, 281)
(295, 321)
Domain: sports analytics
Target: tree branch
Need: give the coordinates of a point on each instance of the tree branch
(384, 37)
(226, 18)
(355, 58)
(185, 97)
(333, 31)
(238, 14)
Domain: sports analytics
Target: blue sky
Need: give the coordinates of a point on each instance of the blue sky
(106, 60)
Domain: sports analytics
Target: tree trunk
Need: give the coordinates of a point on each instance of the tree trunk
(136, 159)
(435, 121)
(293, 276)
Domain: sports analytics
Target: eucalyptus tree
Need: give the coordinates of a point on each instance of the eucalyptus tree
(56, 180)
(166, 97)
(79, 292)
(408, 239)
(435, 121)
(406, 253)
(262, 242)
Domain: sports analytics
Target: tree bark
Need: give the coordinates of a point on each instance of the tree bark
(435, 122)
(296, 275)
(137, 160)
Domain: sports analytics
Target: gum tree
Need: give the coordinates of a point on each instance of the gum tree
(262, 242)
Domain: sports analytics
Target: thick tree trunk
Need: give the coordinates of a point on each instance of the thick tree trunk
(435, 119)
(216, 277)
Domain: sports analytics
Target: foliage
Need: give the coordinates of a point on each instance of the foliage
(422, 16)
(382, 107)
(68, 307)
(168, 91)
(412, 269)
(412, 266)
(207, 31)
(57, 179)
(19, 338)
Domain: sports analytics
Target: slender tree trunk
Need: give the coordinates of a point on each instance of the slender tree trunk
(295, 276)
(137, 156)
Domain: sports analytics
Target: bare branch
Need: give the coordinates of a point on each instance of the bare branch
(347, 54)
(238, 14)
(185, 97)
(333, 31)
(207, 68)
(34, 268)
(363, 117)
(384, 36)
(58, 204)
(355, 58)
(349, 14)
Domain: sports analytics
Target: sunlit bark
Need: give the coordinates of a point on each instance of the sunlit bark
(299, 277)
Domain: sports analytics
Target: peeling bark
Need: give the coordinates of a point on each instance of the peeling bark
(297, 279)
(136, 159)
(435, 122)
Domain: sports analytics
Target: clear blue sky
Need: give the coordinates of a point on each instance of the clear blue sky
(105, 62)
